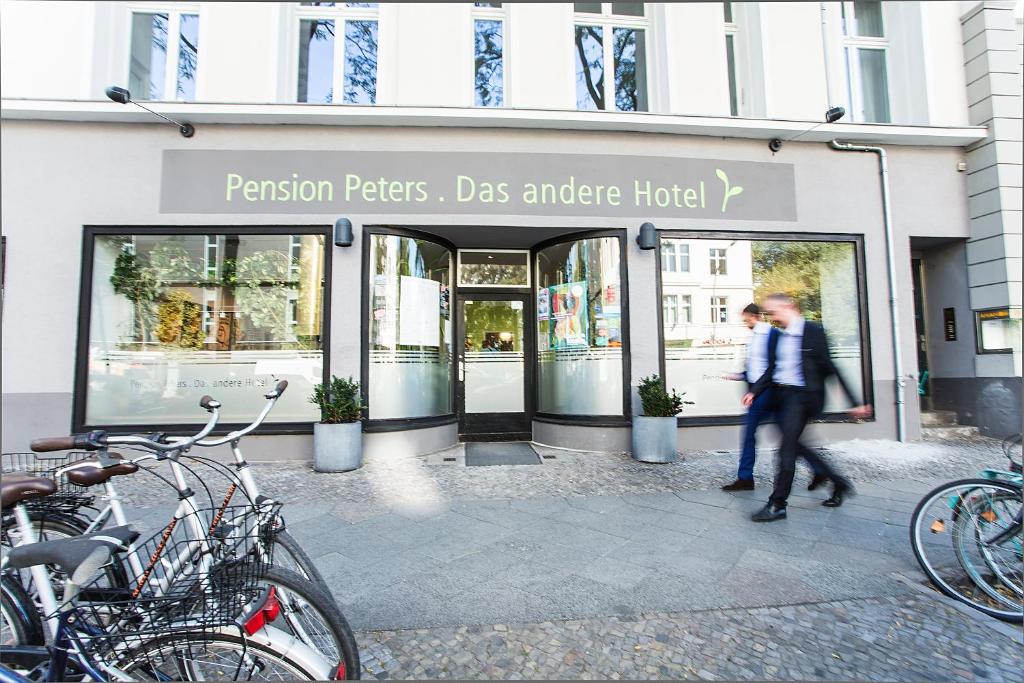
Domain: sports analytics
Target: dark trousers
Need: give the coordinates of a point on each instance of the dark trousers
(793, 407)
(761, 409)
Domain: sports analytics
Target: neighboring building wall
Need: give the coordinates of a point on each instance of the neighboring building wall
(992, 64)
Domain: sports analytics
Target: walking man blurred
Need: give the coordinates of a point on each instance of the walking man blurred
(796, 374)
(762, 343)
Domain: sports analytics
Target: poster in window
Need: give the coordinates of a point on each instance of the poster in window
(568, 304)
(543, 297)
(419, 314)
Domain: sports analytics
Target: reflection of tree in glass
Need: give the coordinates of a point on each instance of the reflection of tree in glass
(624, 54)
(188, 51)
(318, 30)
(137, 283)
(486, 274)
(262, 291)
(361, 62)
(180, 321)
(170, 262)
(490, 68)
(156, 81)
(590, 53)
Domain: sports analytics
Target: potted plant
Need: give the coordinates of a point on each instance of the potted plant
(338, 437)
(654, 432)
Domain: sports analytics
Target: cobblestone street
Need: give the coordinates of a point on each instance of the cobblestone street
(595, 566)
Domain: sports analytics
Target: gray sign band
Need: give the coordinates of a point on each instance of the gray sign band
(282, 182)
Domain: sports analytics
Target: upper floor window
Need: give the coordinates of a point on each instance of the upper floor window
(155, 35)
(865, 48)
(719, 309)
(675, 257)
(731, 29)
(347, 65)
(718, 262)
(611, 35)
(489, 54)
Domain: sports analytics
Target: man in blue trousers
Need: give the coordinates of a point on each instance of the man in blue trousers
(763, 343)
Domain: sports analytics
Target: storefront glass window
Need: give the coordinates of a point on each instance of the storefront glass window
(700, 355)
(174, 317)
(410, 328)
(579, 328)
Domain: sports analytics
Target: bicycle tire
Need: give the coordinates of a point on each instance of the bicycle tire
(168, 648)
(19, 615)
(303, 604)
(963, 537)
(298, 561)
(942, 493)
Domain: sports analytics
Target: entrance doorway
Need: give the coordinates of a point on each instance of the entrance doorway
(494, 386)
(920, 334)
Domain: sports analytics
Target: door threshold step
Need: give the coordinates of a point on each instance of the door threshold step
(948, 432)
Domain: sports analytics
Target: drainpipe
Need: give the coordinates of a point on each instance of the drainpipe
(883, 168)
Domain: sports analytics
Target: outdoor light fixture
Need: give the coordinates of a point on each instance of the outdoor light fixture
(343, 232)
(122, 96)
(831, 116)
(647, 238)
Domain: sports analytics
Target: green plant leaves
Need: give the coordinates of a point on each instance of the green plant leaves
(339, 401)
(656, 401)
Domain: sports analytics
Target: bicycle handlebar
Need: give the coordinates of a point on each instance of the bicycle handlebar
(271, 397)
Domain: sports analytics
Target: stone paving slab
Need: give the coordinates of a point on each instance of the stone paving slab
(909, 638)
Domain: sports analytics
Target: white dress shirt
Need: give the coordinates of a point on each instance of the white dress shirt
(789, 355)
(757, 351)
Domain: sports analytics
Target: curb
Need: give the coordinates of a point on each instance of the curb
(1005, 628)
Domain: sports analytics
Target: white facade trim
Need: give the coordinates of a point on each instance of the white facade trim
(355, 115)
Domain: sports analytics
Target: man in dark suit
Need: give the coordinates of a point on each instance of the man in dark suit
(797, 371)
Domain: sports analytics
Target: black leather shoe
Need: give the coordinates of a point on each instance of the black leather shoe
(769, 514)
(740, 485)
(816, 481)
(839, 491)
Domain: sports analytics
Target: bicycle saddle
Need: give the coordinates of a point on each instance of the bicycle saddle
(92, 472)
(79, 557)
(20, 486)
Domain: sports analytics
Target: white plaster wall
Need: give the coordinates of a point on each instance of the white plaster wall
(793, 60)
(46, 49)
(698, 82)
(542, 70)
(943, 64)
(243, 64)
(434, 60)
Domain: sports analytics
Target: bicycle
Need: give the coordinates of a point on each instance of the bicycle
(210, 620)
(979, 563)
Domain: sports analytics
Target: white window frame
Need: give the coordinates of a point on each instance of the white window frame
(679, 251)
(670, 301)
(339, 14)
(608, 22)
(732, 36)
(719, 311)
(490, 14)
(718, 261)
(524, 252)
(688, 307)
(852, 44)
(173, 12)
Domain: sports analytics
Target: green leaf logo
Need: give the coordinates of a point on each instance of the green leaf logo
(730, 191)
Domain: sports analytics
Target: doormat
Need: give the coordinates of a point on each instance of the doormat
(510, 453)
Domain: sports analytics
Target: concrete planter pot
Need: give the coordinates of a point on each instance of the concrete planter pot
(337, 447)
(654, 439)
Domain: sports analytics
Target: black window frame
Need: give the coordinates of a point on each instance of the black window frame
(398, 424)
(978, 348)
(862, 295)
(81, 376)
(625, 419)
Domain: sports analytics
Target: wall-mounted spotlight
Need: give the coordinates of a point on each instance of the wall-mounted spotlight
(647, 238)
(122, 96)
(343, 232)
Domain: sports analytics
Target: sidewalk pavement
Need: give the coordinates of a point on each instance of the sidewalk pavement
(592, 565)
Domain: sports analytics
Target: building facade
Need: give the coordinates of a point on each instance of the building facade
(444, 202)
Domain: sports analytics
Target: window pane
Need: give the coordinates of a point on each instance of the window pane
(630, 56)
(999, 330)
(493, 268)
(730, 57)
(868, 18)
(699, 355)
(490, 66)
(684, 257)
(579, 328)
(174, 317)
(587, 7)
(874, 86)
(148, 67)
(316, 61)
(188, 57)
(727, 11)
(589, 67)
(360, 62)
(629, 9)
(409, 328)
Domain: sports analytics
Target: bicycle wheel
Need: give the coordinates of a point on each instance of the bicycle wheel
(941, 556)
(288, 554)
(987, 543)
(19, 618)
(204, 656)
(309, 612)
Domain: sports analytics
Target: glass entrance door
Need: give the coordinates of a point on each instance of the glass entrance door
(493, 382)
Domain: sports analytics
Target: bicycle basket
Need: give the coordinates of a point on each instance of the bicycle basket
(68, 497)
(180, 580)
